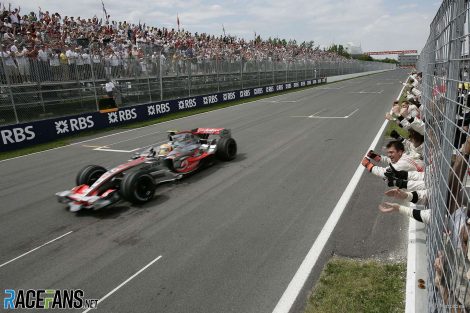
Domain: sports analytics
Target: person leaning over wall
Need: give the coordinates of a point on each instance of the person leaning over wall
(395, 155)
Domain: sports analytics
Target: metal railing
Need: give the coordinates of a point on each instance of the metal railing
(32, 90)
(444, 62)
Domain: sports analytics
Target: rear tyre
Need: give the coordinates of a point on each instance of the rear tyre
(138, 187)
(226, 149)
(89, 175)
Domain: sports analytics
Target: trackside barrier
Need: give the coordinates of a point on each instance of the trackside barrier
(444, 62)
(19, 136)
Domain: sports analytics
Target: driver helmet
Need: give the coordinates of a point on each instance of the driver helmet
(165, 149)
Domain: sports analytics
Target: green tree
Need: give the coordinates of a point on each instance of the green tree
(363, 57)
(339, 49)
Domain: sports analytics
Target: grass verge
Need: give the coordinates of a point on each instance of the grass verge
(352, 286)
(394, 126)
(362, 286)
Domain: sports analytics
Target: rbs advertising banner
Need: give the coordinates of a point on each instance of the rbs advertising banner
(23, 135)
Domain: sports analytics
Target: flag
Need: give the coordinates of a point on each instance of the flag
(178, 21)
(104, 10)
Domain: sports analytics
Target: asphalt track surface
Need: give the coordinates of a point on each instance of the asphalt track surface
(226, 239)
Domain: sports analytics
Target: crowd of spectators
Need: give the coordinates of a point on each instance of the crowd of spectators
(49, 46)
(412, 184)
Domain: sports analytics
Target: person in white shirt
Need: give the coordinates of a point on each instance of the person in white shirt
(109, 87)
(43, 63)
(86, 64)
(97, 64)
(8, 62)
(72, 62)
(23, 64)
(79, 62)
(396, 156)
(54, 63)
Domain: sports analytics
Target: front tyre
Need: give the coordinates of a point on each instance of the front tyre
(89, 175)
(138, 187)
(226, 149)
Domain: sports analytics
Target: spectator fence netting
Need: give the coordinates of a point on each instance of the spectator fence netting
(444, 63)
(32, 90)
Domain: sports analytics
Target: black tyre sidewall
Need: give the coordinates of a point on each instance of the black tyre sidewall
(224, 147)
(132, 182)
(89, 172)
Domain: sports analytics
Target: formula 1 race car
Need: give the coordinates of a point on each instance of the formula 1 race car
(136, 180)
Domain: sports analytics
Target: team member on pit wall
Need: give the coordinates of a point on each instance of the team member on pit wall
(414, 145)
(396, 156)
(412, 181)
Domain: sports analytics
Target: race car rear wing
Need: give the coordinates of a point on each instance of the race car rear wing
(202, 132)
(222, 132)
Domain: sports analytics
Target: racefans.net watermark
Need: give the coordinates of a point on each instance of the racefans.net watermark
(47, 299)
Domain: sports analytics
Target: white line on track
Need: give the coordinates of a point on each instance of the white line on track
(126, 281)
(330, 88)
(368, 92)
(51, 241)
(116, 150)
(296, 284)
(133, 138)
(314, 115)
(105, 148)
(352, 113)
(277, 101)
(90, 146)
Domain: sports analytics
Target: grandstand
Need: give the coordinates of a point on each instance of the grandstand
(54, 65)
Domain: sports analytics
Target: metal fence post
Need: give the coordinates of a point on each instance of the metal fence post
(272, 69)
(287, 71)
(7, 74)
(217, 67)
(241, 70)
(148, 77)
(161, 75)
(94, 85)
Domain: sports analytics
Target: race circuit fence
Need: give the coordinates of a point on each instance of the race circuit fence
(445, 63)
(33, 90)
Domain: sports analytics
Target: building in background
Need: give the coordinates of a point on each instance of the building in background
(407, 59)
